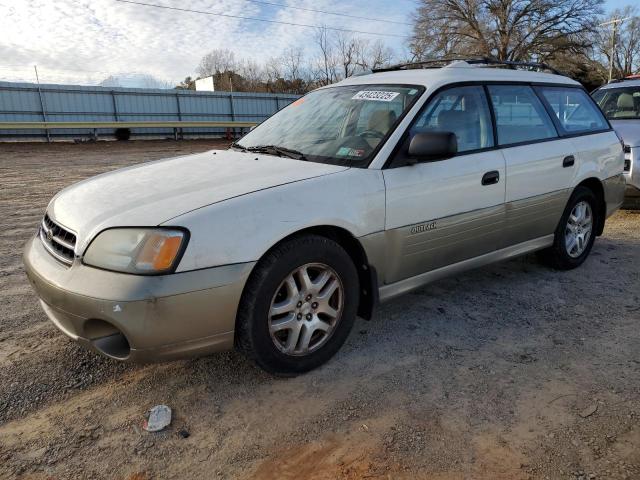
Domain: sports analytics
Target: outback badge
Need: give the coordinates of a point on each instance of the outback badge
(425, 227)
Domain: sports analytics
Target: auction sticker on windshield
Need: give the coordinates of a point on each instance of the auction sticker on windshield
(375, 95)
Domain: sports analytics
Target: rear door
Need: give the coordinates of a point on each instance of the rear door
(540, 165)
(446, 211)
(578, 117)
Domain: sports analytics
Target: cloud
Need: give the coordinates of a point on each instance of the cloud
(84, 41)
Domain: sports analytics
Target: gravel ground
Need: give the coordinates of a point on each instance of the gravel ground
(513, 371)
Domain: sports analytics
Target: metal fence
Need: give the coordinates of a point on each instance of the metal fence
(28, 102)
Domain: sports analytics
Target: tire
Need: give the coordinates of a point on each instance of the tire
(560, 255)
(631, 200)
(276, 319)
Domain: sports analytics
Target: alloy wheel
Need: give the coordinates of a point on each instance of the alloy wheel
(306, 309)
(579, 228)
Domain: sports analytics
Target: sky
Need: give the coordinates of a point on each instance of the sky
(85, 41)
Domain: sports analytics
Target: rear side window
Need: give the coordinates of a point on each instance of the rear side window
(520, 115)
(574, 109)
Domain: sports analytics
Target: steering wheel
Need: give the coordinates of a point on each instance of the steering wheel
(371, 134)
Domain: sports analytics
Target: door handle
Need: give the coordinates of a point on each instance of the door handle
(491, 178)
(568, 161)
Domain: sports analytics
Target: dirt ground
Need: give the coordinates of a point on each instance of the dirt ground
(513, 371)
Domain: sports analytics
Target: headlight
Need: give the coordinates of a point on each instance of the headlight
(145, 251)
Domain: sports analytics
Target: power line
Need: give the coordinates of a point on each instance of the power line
(326, 12)
(281, 22)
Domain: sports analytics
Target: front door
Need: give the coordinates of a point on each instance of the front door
(442, 212)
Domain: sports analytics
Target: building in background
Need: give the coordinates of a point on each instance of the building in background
(205, 84)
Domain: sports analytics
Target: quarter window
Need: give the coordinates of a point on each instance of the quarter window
(575, 111)
(463, 111)
(520, 115)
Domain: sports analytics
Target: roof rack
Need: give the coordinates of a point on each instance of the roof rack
(487, 61)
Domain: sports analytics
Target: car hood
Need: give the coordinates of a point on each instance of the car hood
(151, 193)
(629, 130)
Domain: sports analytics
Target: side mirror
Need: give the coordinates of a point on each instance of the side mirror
(430, 146)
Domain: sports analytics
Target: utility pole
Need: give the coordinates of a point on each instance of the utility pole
(615, 22)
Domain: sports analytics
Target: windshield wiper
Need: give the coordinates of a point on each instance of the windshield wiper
(277, 150)
(236, 145)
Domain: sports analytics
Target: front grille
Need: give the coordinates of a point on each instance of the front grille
(627, 165)
(627, 149)
(58, 241)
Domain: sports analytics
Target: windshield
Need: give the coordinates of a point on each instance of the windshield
(619, 103)
(338, 125)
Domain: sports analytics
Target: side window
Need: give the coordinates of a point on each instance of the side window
(461, 110)
(575, 111)
(520, 115)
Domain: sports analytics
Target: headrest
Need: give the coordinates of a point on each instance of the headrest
(382, 120)
(625, 100)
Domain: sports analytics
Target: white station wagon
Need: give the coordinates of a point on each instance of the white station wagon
(620, 102)
(353, 194)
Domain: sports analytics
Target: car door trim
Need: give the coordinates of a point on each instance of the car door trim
(519, 220)
(532, 198)
(396, 289)
(534, 216)
(431, 244)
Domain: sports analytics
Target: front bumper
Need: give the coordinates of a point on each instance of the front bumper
(138, 318)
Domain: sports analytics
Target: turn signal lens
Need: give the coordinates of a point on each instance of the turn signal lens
(159, 252)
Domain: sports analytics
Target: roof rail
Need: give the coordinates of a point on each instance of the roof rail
(626, 79)
(487, 61)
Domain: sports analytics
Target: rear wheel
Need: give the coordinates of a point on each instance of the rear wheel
(576, 231)
(298, 306)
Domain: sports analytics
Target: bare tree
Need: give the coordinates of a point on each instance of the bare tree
(326, 64)
(273, 69)
(252, 73)
(337, 57)
(216, 61)
(626, 59)
(296, 76)
(292, 60)
(505, 29)
(350, 51)
(376, 55)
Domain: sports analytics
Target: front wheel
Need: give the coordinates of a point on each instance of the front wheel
(575, 233)
(298, 306)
